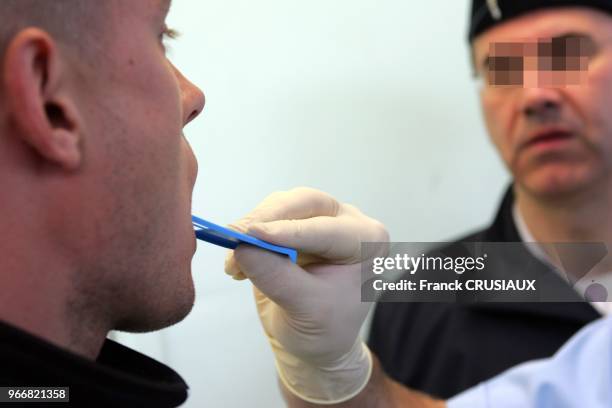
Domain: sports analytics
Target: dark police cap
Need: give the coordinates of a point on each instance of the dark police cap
(488, 13)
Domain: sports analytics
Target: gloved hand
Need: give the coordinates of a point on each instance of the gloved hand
(311, 312)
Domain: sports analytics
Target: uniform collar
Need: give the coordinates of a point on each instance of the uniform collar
(504, 229)
(119, 377)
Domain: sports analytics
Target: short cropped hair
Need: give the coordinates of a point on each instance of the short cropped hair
(68, 21)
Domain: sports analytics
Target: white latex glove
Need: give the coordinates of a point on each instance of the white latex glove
(311, 312)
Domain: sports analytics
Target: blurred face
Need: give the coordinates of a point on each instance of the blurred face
(141, 171)
(546, 98)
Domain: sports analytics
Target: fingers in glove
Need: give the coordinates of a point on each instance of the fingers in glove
(232, 268)
(337, 239)
(284, 282)
(298, 203)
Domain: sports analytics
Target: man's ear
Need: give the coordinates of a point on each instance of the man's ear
(40, 106)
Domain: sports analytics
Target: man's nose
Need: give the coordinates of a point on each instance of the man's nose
(192, 98)
(194, 102)
(541, 104)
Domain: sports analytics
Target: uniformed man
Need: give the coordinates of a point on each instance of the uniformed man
(546, 68)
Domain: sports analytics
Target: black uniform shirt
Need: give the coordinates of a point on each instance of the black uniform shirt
(120, 377)
(445, 348)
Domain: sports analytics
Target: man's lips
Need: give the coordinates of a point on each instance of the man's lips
(547, 137)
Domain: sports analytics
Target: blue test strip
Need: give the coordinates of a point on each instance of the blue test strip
(227, 238)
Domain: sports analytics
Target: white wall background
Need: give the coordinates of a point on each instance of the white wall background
(369, 100)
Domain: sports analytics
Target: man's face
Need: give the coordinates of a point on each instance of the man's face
(552, 128)
(141, 171)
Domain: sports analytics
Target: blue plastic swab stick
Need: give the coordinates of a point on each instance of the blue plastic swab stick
(227, 238)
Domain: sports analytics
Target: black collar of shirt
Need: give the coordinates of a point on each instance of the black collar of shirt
(119, 377)
(503, 229)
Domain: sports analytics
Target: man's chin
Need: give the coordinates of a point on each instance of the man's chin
(157, 319)
(558, 184)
